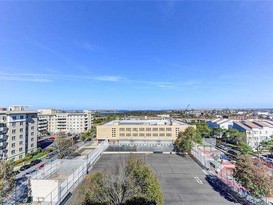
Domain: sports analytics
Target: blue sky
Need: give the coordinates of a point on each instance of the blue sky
(136, 55)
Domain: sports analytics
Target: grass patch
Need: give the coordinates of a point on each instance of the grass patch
(32, 156)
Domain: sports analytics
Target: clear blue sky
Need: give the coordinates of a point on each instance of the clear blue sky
(136, 55)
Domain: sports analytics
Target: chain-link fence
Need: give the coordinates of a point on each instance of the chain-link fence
(63, 187)
(139, 148)
(222, 172)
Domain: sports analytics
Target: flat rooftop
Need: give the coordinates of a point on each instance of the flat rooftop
(178, 178)
(144, 122)
(66, 168)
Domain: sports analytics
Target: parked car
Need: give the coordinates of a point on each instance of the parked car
(42, 166)
(34, 162)
(233, 153)
(28, 174)
(25, 167)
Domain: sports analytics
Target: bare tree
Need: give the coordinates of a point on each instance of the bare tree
(120, 183)
(65, 147)
(7, 179)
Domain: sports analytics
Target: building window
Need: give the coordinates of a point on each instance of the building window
(21, 129)
(21, 117)
(21, 123)
(128, 129)
(135, 129)
(21, 136)
(169, 129)
(13, 137)
(32, 133)
(13, 131)
(32, 145)
(121, 129)
(13, 124)
(141, 134)
(12, 151)
(21, 143)
(148, 129)
(14, 117)
(135, 134)
(155, 129)
(20, 149)
(162, 134)
(13, 145)
(121, 134)
(162, 129)
(32, 139)
(141, 129)
(169, 134)
(155, 134)
(148, 134)
(128, 134)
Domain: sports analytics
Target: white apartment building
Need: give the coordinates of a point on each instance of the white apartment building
(18, 132)
(64, 122)
(256, 131)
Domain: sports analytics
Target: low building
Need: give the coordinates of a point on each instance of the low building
(65, 122)
(256, 131)
(221, 123)
(18, 132)
(141, 131)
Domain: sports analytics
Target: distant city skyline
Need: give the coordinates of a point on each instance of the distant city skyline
(136, 55)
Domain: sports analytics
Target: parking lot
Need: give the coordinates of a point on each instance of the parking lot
(182, 180)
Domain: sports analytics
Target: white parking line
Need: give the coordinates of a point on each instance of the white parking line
(205, 172)
(198, 180)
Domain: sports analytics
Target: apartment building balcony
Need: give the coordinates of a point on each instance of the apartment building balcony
(3, 137)
(3, 129)
(3, 144)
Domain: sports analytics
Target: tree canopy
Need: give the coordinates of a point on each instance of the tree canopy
(203, 128)
(253, 178)
(130, 182)
(185, 139)
(7, 179)
(244, 148)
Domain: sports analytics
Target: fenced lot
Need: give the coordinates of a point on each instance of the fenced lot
(182, 180)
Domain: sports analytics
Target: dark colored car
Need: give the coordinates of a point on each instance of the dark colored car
(34, 162)
(233, 153)
(25, 167)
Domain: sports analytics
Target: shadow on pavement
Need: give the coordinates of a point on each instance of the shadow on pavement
(225, 191)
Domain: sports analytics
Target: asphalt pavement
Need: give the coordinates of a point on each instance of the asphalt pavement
(183, 182)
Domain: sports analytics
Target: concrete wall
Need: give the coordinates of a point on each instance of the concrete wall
(44, 190)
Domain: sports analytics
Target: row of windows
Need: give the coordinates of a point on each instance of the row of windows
(21, 117)
(143, 134)
(143, 129)
(20, 149)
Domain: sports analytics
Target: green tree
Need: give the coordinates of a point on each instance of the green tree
(130, 182)
(185, 139)
(147, 180)
(217, 132)
(7, 179)
(271, 150)
(87, 135)
(244, 148)
(233, 136)
(203, 128)
(253, 178)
